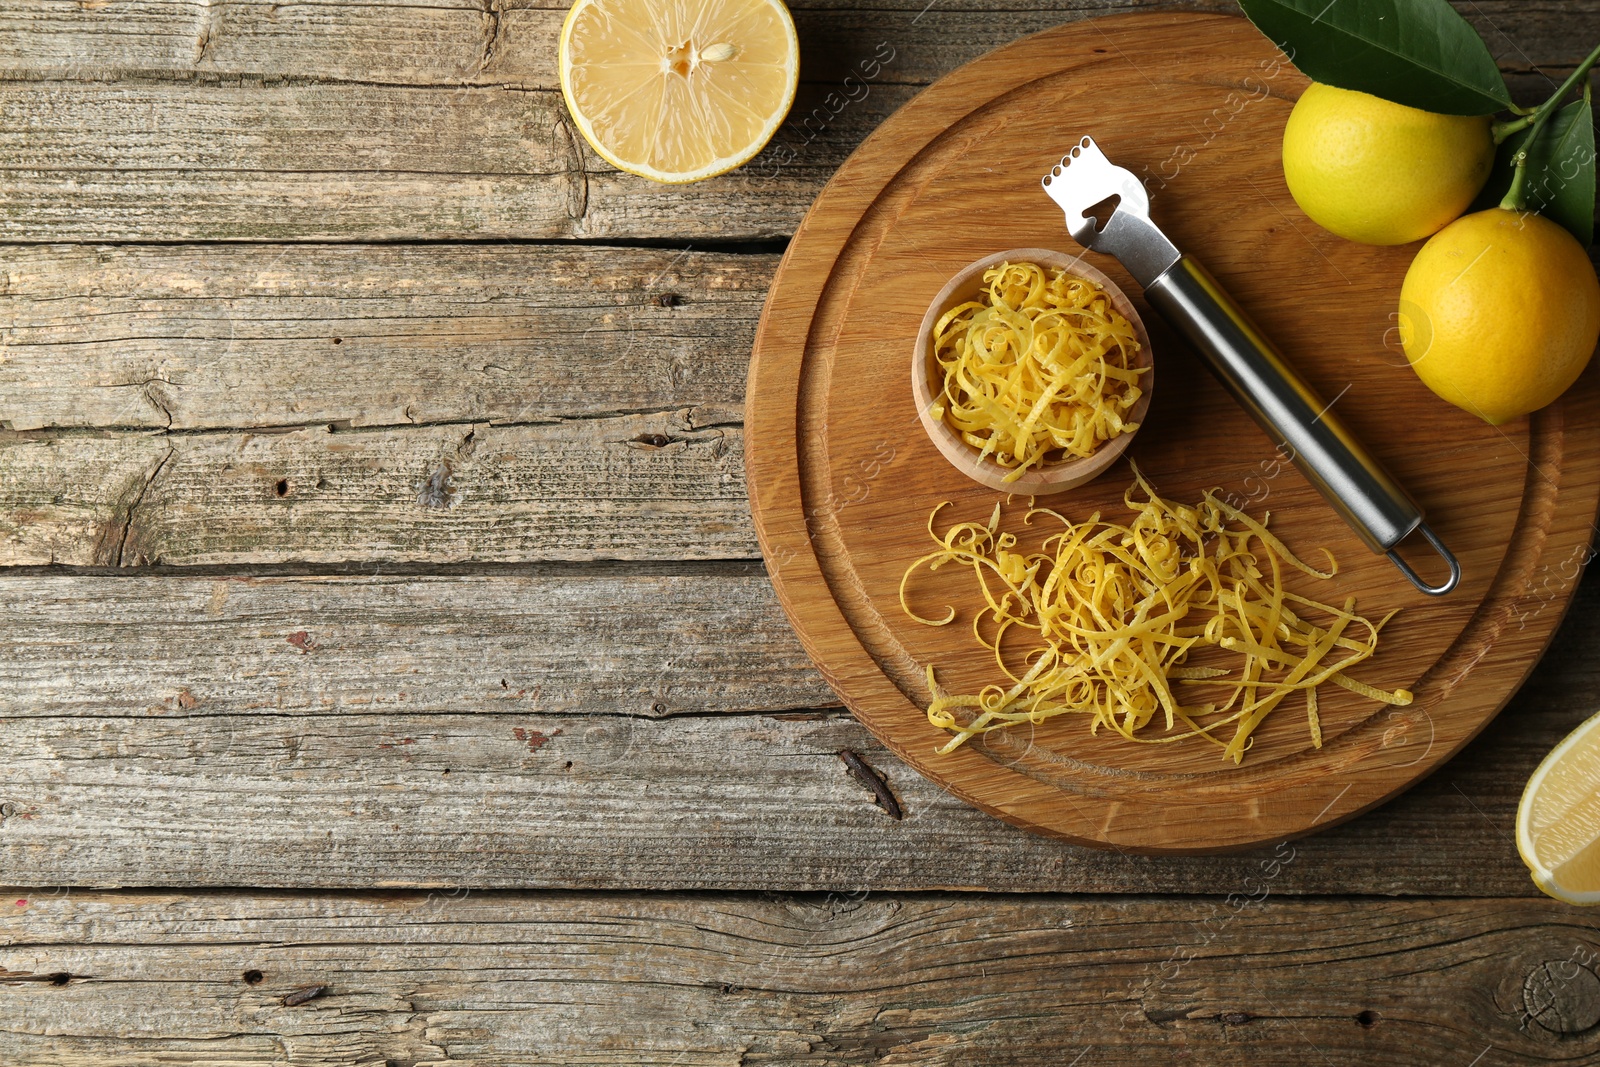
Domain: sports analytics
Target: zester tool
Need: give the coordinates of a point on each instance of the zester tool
(1305, 429)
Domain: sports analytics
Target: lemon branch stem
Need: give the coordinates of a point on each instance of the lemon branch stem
(1528, 116)
(1516, 197)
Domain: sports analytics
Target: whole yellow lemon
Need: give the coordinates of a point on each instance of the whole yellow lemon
(1500, 312)
(1379, 172)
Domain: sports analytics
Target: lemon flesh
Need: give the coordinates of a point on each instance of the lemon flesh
(1379, 172)
(680, 90)
(1499, 313)
(1558, 820)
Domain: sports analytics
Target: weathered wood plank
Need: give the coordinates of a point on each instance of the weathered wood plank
(479, 154)
(649, 643)
(150, 978)
(197, 731)
(454, 42)
(398, 42)
(186, 337)
(526, 799)
(652, 486)
(97, 162)
(190, 337)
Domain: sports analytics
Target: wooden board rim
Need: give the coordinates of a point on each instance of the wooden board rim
(787, 536)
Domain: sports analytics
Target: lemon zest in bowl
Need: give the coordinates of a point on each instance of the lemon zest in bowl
(1038, 369)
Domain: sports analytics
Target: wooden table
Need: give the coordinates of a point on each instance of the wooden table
(392, 677)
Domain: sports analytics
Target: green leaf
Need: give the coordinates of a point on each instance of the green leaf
(1415, 52)
(1560, 182)
(1561, 171)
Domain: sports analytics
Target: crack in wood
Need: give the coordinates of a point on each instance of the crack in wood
(491, 33)
(566, 146)
(111, 546)
(127, 526)
(717, 420)
(1562, 997)
(207, 31)
(153, 395)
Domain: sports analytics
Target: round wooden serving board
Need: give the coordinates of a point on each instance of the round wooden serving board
(842, 477)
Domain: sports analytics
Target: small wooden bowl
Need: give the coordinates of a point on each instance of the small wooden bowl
(927, 382)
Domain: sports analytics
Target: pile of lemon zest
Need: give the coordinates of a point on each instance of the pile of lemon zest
(1111, 612)
(1039, 369)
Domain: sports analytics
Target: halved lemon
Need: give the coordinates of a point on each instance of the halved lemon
(1558, 820)
(678, 90)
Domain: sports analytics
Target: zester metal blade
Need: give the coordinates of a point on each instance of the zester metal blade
(1086, 179)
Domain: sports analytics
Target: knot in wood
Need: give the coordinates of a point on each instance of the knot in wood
(1562, 996)
(436, 490)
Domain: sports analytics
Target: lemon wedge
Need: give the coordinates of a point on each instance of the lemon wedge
(680, 90)
(1558, 820)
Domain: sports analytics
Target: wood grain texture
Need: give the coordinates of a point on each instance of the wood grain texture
(257, 121)
(160, 161)
(655, 486)
(188, 337)
(635, 455)
(584, 731)
(439, 980)
(603, 726)
(842, 484)
(649, 642)
(461, 42)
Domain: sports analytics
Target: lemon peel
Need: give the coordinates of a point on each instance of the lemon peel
(1558, 818)
(1113, 610)
(1378, 172)
(1500, 313)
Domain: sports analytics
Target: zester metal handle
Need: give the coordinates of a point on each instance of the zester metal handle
(1298, 420)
